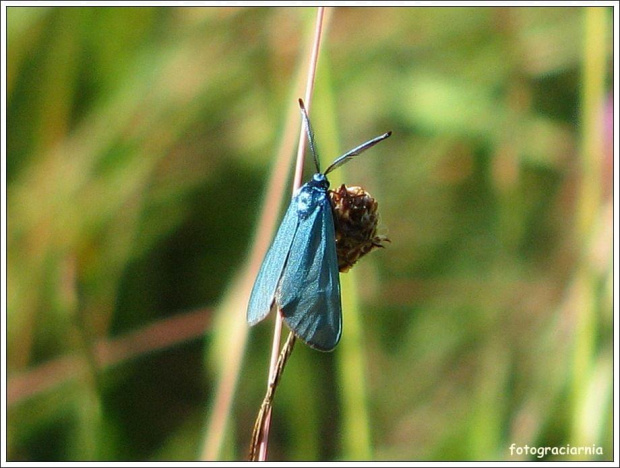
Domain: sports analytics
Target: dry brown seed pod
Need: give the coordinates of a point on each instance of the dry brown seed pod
(355, 222)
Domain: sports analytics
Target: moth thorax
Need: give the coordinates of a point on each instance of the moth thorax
(310, 195)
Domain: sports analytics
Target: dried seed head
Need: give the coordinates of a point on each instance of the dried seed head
(355, 220)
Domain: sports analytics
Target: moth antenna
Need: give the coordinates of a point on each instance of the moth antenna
(355, 151)
(306, 119)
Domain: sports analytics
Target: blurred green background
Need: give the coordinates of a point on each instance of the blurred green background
(140, 143)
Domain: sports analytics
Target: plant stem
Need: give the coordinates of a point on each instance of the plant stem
(265, 407)
(263, 435)
(587, 209)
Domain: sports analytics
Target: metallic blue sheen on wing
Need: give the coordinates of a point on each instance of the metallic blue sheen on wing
(264, 290)
(309, 291)
(300, 271)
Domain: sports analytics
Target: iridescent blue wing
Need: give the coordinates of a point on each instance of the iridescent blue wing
(309, 289)
(264, 289)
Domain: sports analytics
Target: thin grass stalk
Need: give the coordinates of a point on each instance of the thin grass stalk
(265, 408)
(351, 364)
(355, 431)
(588, 206)
(227, 353)
(108, 352)
(271, 381)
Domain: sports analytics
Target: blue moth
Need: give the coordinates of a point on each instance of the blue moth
(300, 271)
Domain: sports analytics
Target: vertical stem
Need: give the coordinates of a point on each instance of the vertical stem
(593, 79)
(314, 58)
(354, 432)
(277, 332)
(588, 208)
